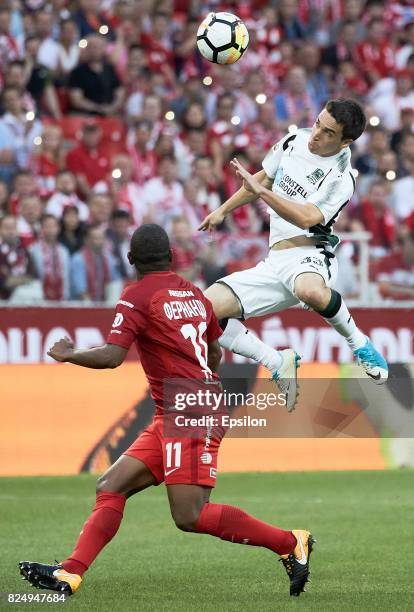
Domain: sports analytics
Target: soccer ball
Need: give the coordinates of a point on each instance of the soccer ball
(222, 38)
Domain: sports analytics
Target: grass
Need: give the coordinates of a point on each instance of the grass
(363, 559)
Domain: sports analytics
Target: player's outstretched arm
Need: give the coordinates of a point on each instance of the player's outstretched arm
(99, 358)
(214, 355)
(240, 198)
(301, 215)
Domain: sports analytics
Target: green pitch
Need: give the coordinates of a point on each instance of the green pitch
(363, 558)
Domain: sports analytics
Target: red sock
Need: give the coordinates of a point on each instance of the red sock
(234, 525)
(98, 530)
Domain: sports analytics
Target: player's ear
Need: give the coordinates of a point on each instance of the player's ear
(346, 143)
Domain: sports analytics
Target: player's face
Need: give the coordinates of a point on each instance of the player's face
(326, 137)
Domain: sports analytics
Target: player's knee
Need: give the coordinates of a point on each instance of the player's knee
(102, 484)
(185, 519)
(313, 296)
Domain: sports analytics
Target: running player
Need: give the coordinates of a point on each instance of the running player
(176, 333)
(306, 181)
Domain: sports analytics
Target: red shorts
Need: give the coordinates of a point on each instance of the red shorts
(177, 460)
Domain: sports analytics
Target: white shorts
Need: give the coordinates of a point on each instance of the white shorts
(269, 286)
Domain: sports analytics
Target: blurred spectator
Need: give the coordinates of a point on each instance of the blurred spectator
(294, 105)
(94, 86)
(378, 144)
(4, 198)
(142, 155)
(28, 222)
(93, 268)
(221, 133)
(17, 272)
(247, 107)
(24, 183)
(375, 213)
(375, 53)
(9, 50)
(65, 195)
(405, 154)
(265, 131)
(309, 57)
(352, 13)
(403, 193)
(342, 47)
(404, 52)
(158, 46)
(395, 273)
(208, 198)
(52, 261)
(48, 158)
(350, 83)
(40, 79)
(68, 48)
(72, 230)
(390, 95)
(186, 251)
(48, 53)
(152, 112)
(89, 160)
(406, 129)
(100, 210)
(292, 28)
(119, 233)
(125, 192)
(15, 76)
(17, 134)
(163, 195)
(90, 20)
(386, 170)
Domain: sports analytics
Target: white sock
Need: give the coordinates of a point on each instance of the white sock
(344, 324)
(238, 339)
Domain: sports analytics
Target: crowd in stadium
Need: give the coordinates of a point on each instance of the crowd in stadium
(109, 117)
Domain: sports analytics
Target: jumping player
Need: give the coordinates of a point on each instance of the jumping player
(176, 333)
(306, 181)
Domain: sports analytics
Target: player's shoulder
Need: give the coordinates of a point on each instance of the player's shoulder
(131, 295)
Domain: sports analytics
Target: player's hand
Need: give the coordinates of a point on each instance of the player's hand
(212, 220)
(61, 350)
(250, 183)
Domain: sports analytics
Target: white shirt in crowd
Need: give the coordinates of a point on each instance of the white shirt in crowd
(387, 104)
(403, 196)
(59, 201)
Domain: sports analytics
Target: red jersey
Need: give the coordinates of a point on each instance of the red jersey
(92, 164)
(172, 323)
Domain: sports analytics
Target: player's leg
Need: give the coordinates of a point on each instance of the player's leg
(246, 294)
(311, 288)
(236, 337)
(140, 468)
(191, 511)
(125, 477)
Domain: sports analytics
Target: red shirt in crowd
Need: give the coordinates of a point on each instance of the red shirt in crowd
(93, 164)
(378, 59)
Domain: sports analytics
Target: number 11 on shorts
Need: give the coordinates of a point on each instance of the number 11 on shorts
(177, 454)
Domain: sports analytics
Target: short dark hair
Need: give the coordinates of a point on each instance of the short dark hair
(48, 216)
(350, 115)
(120, 213)
(150, 246)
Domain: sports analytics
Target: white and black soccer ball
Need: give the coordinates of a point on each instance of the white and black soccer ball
(222, 38)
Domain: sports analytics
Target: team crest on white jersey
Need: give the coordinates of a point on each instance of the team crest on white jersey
(315, 176)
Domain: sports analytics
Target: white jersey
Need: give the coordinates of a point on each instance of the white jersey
(301, 176)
